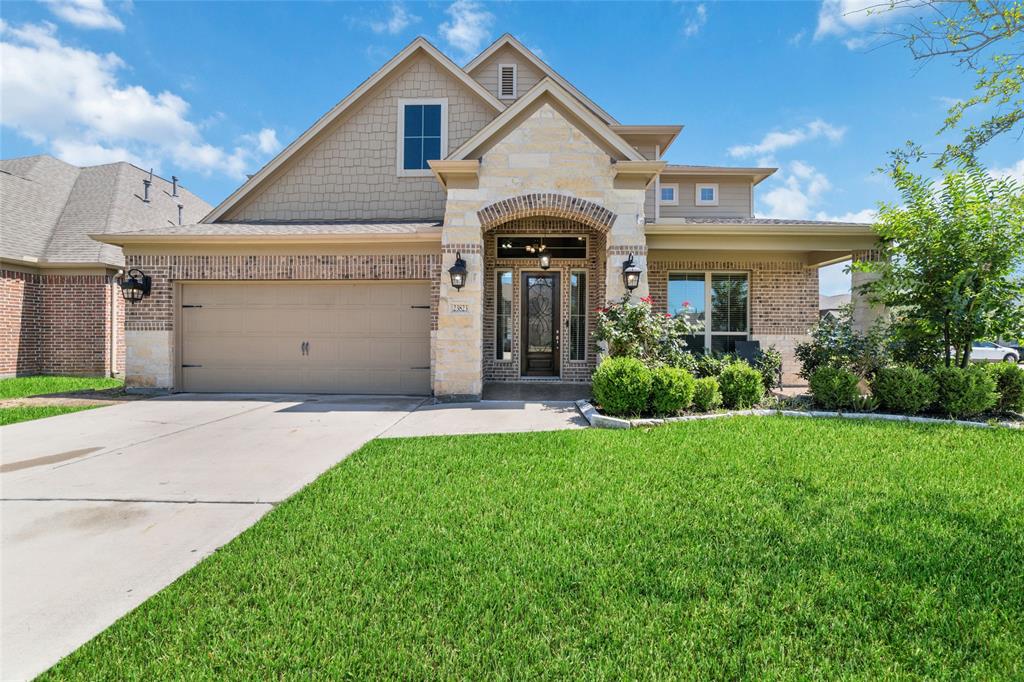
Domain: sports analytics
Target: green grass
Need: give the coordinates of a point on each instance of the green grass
(13, 415)
(736, 548)
(23, 387)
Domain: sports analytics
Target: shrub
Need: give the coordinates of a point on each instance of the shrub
(706, 394)
(741, 385)
(835, 343)
(636, 330)
(834, 388)
(904, 390)
(865, 403)
(712, 364)
(1009, 380)
(622, 386)
(671, 390)
(769, 364)
(965, 392)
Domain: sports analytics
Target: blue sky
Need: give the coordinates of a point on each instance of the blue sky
(211, 91)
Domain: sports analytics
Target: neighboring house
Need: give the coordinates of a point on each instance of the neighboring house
(328, 270)
(61, 308)
(831, 306)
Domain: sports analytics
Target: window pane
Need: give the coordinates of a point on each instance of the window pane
(695, 343)
(413, 120)
(728, 303)
(431, 150)
(413, 159)
(431, 120)
(578, 316)
(503, 310)
(667, 194)
(686, 297)
(707, 193)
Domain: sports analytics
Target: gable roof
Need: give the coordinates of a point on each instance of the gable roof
(510, 41)
(548, 88)
(418, 46)
(51, 207)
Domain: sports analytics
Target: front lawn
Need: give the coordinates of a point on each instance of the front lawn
(24, 413)
(731, 548)
(23, 387)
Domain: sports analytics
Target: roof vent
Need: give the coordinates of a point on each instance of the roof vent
(174, 185)
(145, 186)
(507, 81)
(181, 213)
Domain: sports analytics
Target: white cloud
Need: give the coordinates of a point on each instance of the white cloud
(1016, 171)
(797, 191)
(398, 21)
(774, 141)
(833, 279)
(797, 37)
(696, 22)
(866, 215)
(469, 27)
(838, 17)
(72, 101)
(268, 143)
(86, 13)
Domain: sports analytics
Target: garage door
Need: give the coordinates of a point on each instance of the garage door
(306, 337)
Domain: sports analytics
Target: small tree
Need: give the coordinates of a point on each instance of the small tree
(953, 254)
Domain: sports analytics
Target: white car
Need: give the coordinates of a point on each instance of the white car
(986, 351)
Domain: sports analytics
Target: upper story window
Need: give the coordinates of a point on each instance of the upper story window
(669, 195)
(707, 194)
(507, 81)
(422, 134)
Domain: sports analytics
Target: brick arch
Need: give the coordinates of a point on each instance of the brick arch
(546, 205)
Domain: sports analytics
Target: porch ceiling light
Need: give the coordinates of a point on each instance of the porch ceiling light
(545, 261)
(136, 286)
(458, 272)
(631, 273)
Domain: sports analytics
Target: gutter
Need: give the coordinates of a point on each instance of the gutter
(838, 229)
(363, 238)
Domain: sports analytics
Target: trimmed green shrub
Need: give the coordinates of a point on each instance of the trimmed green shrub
(834, 388)
(706, 394)
(965, 392)
(711, 364)
(671, 390)
(904, 390)
(1009, 380)
(622, 386)
(769, 364)
(741, 386)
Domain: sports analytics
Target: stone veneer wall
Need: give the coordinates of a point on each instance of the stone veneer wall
(351, 173)
(783, 299)
(150, 323)
(571, 370)
(59, 324)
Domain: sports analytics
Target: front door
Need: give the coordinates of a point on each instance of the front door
(540, 332)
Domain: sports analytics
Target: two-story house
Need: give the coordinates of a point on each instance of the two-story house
(338, 266)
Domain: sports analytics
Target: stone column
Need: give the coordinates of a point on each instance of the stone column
(626, 237)
(864, 313)
(458, 354)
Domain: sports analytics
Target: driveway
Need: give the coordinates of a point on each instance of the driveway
(102, 509)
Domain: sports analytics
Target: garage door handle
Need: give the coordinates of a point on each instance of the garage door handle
(420, 307)
(304, 348)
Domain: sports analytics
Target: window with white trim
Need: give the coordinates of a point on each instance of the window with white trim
(706, 194)
(422, 134)
(669, 194)
(578, 315)
(507, 81)
(503, 315)
(725, 294)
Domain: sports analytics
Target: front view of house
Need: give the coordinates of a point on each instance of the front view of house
(443, 228)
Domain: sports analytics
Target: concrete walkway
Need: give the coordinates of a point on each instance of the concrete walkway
(102, 509)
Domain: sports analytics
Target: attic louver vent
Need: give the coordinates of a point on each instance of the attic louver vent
(507, 81)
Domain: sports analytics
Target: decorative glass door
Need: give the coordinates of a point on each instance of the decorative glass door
(540, 324)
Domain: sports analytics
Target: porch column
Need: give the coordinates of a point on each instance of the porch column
(624, 238)
(458, 355)
(864, 313)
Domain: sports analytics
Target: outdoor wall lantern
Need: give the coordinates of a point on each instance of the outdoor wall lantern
(631, 273)
(136, 287)
(545, 261)
(458, 272)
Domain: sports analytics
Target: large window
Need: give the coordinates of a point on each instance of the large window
(503, 316)
(725, 295)
(578, 315)
(423, 133)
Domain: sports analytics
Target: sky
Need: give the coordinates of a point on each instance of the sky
(210, 91)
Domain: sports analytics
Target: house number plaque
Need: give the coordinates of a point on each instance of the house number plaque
(460, 308)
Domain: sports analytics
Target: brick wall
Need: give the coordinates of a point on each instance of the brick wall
(58, 324)
(156, 312)
(783, 298)
(571, 370)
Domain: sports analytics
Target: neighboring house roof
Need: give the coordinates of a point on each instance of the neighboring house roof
(758, 174)
(760, 221)
(834, 302)
(49, 209)
(547, 87)
(510, 41)
(418, 46)
(353, 231)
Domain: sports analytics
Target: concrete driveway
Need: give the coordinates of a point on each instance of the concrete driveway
(102, 509)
